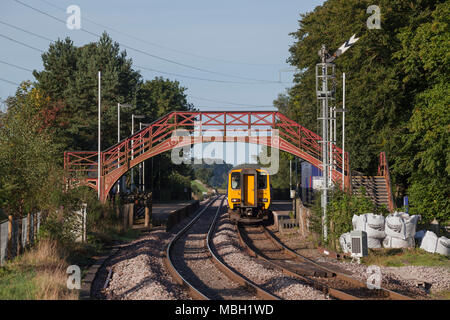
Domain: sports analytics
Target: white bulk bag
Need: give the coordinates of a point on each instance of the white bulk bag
(373, 243)
(346, 242)
(411, 224)
(355, 221)
(443, 246)
(375, 226)
(359, 222)
(403, 215)
(393, 242)
(429, 242)
(386, 242)
(395, 226)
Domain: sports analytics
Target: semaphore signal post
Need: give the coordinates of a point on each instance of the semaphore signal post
(326, 101)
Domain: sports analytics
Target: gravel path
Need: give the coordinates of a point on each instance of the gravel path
(400, 279)
(139, 272)
(192, 260)
(270, 279)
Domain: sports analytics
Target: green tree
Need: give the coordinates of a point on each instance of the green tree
(28, 168)
(425, 155)
(397, 90)
(158, 97)
(70, 76)
(378, 104)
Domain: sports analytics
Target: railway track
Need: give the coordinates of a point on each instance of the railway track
(260, 243)
(193, 262)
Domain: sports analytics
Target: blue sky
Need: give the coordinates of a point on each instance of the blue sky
(246, 38)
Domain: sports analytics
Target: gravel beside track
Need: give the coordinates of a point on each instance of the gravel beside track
(139, 271)
(228, 247)
(192, 259)
(340, 286)
(403, 280)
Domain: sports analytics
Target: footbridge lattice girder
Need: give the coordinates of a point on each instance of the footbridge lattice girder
(160, 136)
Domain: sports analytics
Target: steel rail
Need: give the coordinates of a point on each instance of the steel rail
(315, 284)
(321, 285)
(171, 268)
(230, 271)
(339, 275)
(232, 274)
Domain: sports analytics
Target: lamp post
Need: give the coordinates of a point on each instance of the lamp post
(123, 105)
(133, 116)
(99, 136)
(142, 165)
(343, 130)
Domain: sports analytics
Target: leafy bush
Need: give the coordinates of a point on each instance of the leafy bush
(340, 210)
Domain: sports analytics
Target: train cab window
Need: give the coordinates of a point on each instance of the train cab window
(262, 180)
(236, 180)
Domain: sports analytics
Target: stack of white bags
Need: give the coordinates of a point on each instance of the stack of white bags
(371, 223)
(400, 230)
(430, 242)
(397, 230)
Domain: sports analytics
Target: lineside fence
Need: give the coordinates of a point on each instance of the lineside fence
(18, 234)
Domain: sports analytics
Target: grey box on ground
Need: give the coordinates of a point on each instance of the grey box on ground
(359, 243)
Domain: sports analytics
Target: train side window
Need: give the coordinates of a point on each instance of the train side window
(235, 180)
(262, 181)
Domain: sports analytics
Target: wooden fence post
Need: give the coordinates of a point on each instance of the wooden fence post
(147, 217)
(10, 232)
(131, 215)
(148, 210)
(29, 229)
(35, 223)
(19, 236)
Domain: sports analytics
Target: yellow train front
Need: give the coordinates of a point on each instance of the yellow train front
(248, 193)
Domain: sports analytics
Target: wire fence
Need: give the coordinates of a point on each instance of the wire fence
(17, 234)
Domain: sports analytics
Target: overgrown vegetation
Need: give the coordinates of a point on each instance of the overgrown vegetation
(340, 210)
(56, 113)
(39, 273)
(397, 92)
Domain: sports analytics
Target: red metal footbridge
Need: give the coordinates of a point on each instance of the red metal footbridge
(202, 127)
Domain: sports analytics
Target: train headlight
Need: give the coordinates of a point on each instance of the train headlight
(263, 200)
(235, 200)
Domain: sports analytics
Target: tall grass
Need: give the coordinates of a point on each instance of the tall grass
(40, 273)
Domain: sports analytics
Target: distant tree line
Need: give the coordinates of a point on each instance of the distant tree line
(214, 175)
